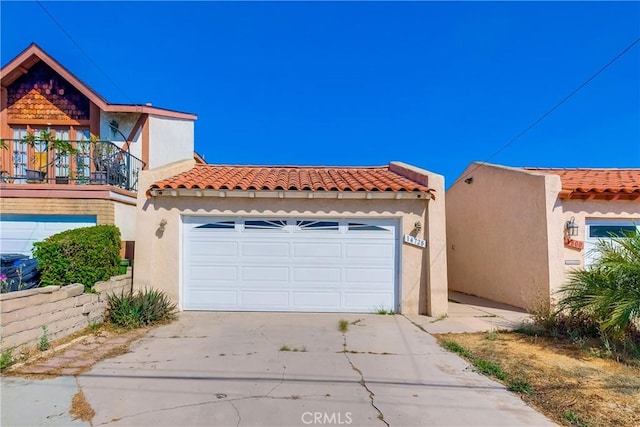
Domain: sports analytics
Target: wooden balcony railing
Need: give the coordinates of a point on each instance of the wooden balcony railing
(78, 163)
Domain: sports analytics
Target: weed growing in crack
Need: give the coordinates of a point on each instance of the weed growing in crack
(302, 349)
(439, 318)
(343, 326)
(43, 343)
(381, 309)
(6, 358)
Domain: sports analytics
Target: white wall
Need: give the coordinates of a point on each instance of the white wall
(170, 140)
(126, 122)
(125, 218)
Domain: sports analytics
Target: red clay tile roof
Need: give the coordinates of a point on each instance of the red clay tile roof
(597, 182)
(221, 177)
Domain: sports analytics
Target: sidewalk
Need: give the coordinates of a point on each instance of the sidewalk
(468, 313)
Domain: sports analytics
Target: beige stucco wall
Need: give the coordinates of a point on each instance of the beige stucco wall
(423, 281)
(584, 210)
(125, 218)
(501, 234)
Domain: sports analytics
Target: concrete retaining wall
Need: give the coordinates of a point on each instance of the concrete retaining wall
(63, 310)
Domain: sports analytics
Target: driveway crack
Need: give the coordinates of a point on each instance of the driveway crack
(284, 370)
(363, 382)
(214, 402)
(237, 412)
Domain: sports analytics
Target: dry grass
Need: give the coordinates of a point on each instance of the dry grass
(569, 386)
(80, 408)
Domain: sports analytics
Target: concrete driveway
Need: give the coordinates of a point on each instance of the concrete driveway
(230, 369)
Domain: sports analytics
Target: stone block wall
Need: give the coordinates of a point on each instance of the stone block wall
(63, 310)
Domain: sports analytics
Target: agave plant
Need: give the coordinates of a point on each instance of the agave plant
(610, 290)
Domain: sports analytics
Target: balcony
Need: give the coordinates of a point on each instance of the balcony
(42, 161)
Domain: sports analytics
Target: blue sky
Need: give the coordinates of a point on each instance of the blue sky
(434, 84)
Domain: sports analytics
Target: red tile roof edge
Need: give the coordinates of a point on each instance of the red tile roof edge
(267, 178)
(580, 184)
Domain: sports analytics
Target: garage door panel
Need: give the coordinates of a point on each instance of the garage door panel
(369, 250)
(215, 273)
(19, 232)
(368, 275)
(265, 299)
(205, 249)
(289, 268)
(317, 274)
(318, 250)
(208, 299)
(265, 273)
(313, 299)
(368, 301)
(266, 249)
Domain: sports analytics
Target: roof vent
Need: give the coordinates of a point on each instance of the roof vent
(148, 104)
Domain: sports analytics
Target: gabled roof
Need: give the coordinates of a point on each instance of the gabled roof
(33, 54)
(309, 178)
(586, 183)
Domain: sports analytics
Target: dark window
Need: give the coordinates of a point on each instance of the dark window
(317, 225)
(265, 224)
(611, 230)
(221, 224)
(354, 226)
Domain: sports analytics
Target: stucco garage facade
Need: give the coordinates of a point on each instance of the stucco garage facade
(507, 228)
(236, 238)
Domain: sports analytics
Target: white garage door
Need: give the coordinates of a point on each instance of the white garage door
(18, 233)
(603, 230)
(289, 265)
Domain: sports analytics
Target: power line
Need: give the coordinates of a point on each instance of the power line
(83, 51)
(551, 110)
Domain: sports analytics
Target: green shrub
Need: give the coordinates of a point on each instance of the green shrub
(140, 308)
(82, 255)
(608, 292)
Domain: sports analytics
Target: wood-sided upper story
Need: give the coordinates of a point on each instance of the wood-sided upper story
(56, 130)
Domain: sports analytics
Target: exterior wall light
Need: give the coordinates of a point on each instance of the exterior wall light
(417, 226)
(163, 224)
(570, 227)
